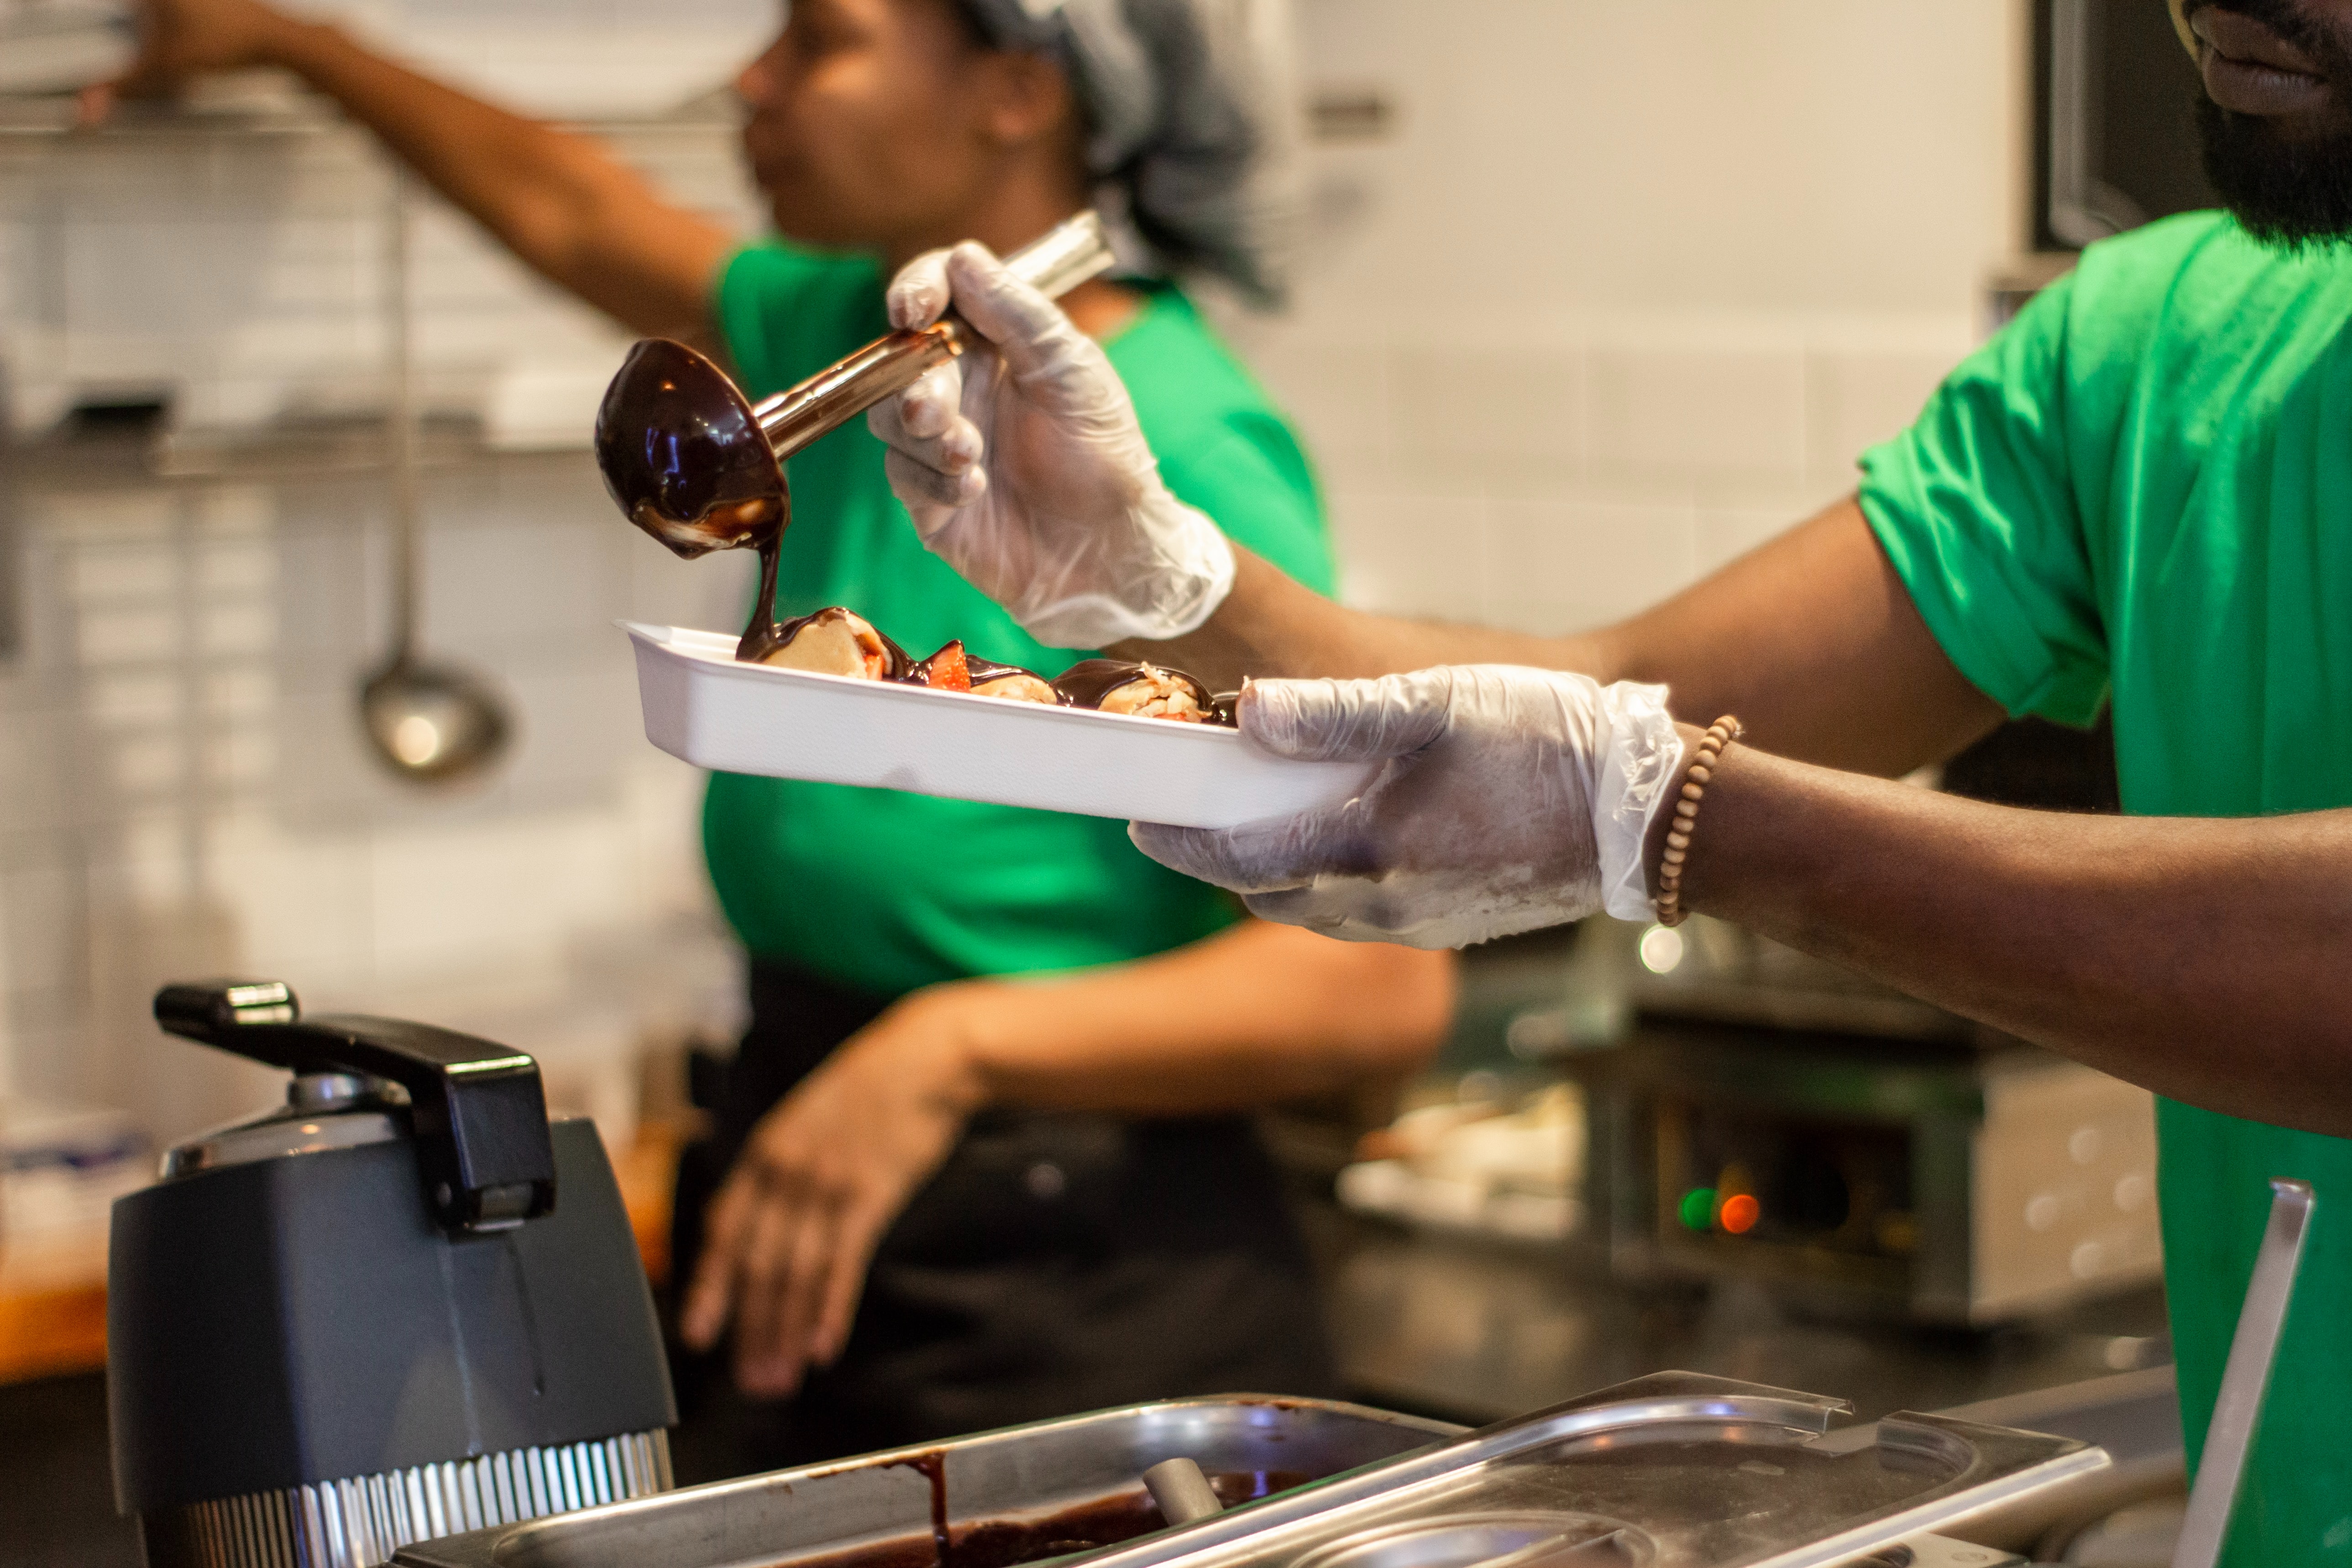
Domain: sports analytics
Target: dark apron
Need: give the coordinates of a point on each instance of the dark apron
(1057, 1262)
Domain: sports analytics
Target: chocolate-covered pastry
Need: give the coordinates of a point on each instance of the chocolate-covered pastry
(833, 641)
(1118, 686)
(1017, 685)
(949, 669)
(836, 641)
(952, 668)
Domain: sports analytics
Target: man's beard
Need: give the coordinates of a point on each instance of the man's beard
(2291, 194)
(2295, 191)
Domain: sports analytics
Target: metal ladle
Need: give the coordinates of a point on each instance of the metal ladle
(698, 465)
(430, 722)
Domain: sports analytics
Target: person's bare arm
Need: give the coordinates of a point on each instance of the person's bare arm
(1810, 639)
(2200, 958)
(1257, 1014)
(560, 201)
(1249, 1017)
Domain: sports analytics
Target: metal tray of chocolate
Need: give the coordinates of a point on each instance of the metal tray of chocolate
(1675, 1470)
(982, 1501)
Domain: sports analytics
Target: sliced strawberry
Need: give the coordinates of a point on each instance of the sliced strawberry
(948, 670)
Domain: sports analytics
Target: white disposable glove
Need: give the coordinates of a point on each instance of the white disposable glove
(1509, 799)
(1066, 524)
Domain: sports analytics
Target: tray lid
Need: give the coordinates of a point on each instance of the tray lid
(1678, 1469)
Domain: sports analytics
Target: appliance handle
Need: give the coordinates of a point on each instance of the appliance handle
(2245, 1376)
(479, 1110)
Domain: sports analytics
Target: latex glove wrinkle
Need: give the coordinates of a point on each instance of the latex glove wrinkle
(1024, 467)
(1508, 799)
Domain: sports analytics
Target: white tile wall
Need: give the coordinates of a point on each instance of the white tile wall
(184, 787)
(1631, 287)
(244, 276)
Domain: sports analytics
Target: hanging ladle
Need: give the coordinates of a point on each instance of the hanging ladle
(430, 722)
(698, 465)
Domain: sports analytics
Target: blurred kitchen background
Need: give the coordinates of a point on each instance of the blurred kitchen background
(1596, 295)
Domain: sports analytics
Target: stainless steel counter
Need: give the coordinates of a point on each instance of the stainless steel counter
(1476, 1331)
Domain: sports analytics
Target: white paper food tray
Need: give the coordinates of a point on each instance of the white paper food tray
(702, 706)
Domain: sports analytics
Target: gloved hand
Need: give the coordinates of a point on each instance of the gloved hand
(1510, 799)
(1068, 525)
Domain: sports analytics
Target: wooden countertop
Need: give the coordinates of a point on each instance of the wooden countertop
(57, 1324)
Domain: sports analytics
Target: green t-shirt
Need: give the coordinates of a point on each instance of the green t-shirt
(2141, 492)
(888, 891)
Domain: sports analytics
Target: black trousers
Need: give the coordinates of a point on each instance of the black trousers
(1057, 1262)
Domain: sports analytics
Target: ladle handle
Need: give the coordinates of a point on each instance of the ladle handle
(1182, 1492)
(1065, 255)
(841, 391)
(400, 415)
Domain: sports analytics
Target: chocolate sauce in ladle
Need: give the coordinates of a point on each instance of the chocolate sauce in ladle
(696, 464)
(684, 456)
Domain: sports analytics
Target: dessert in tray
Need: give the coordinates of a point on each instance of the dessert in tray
(835, 641)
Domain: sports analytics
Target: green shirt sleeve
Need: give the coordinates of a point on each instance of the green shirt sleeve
(1255, 484)
(1977, 507)
(784, 312)
(1222, 445)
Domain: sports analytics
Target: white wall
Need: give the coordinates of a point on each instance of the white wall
(1633, 283)
(183, 788)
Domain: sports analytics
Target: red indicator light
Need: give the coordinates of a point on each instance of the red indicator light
(1739, 1214)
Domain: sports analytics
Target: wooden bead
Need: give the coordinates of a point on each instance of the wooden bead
(1691, 791)
(1701, 774)
(1678, 840)
(1675, 857)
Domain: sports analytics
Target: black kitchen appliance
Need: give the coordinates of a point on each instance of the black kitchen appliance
(364, 1319)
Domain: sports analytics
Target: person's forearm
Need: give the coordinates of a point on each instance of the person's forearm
(1812, 641)
(1248, 1017)
(2202, 959)
(1273, 625)
(561, 201)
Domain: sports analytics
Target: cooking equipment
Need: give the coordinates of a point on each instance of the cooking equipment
(1183, 1493)
(1772, 1117)
(704, 705)
(430, 722)
(1960, 1186)
(695, 463)
(1676, 1468)
(364, 1319)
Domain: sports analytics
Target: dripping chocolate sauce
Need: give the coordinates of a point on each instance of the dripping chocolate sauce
(1006, 1543)
(764, 636)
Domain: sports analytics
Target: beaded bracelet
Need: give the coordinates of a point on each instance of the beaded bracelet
(1719, 734)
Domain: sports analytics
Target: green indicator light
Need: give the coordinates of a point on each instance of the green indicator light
(1697, 1208)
